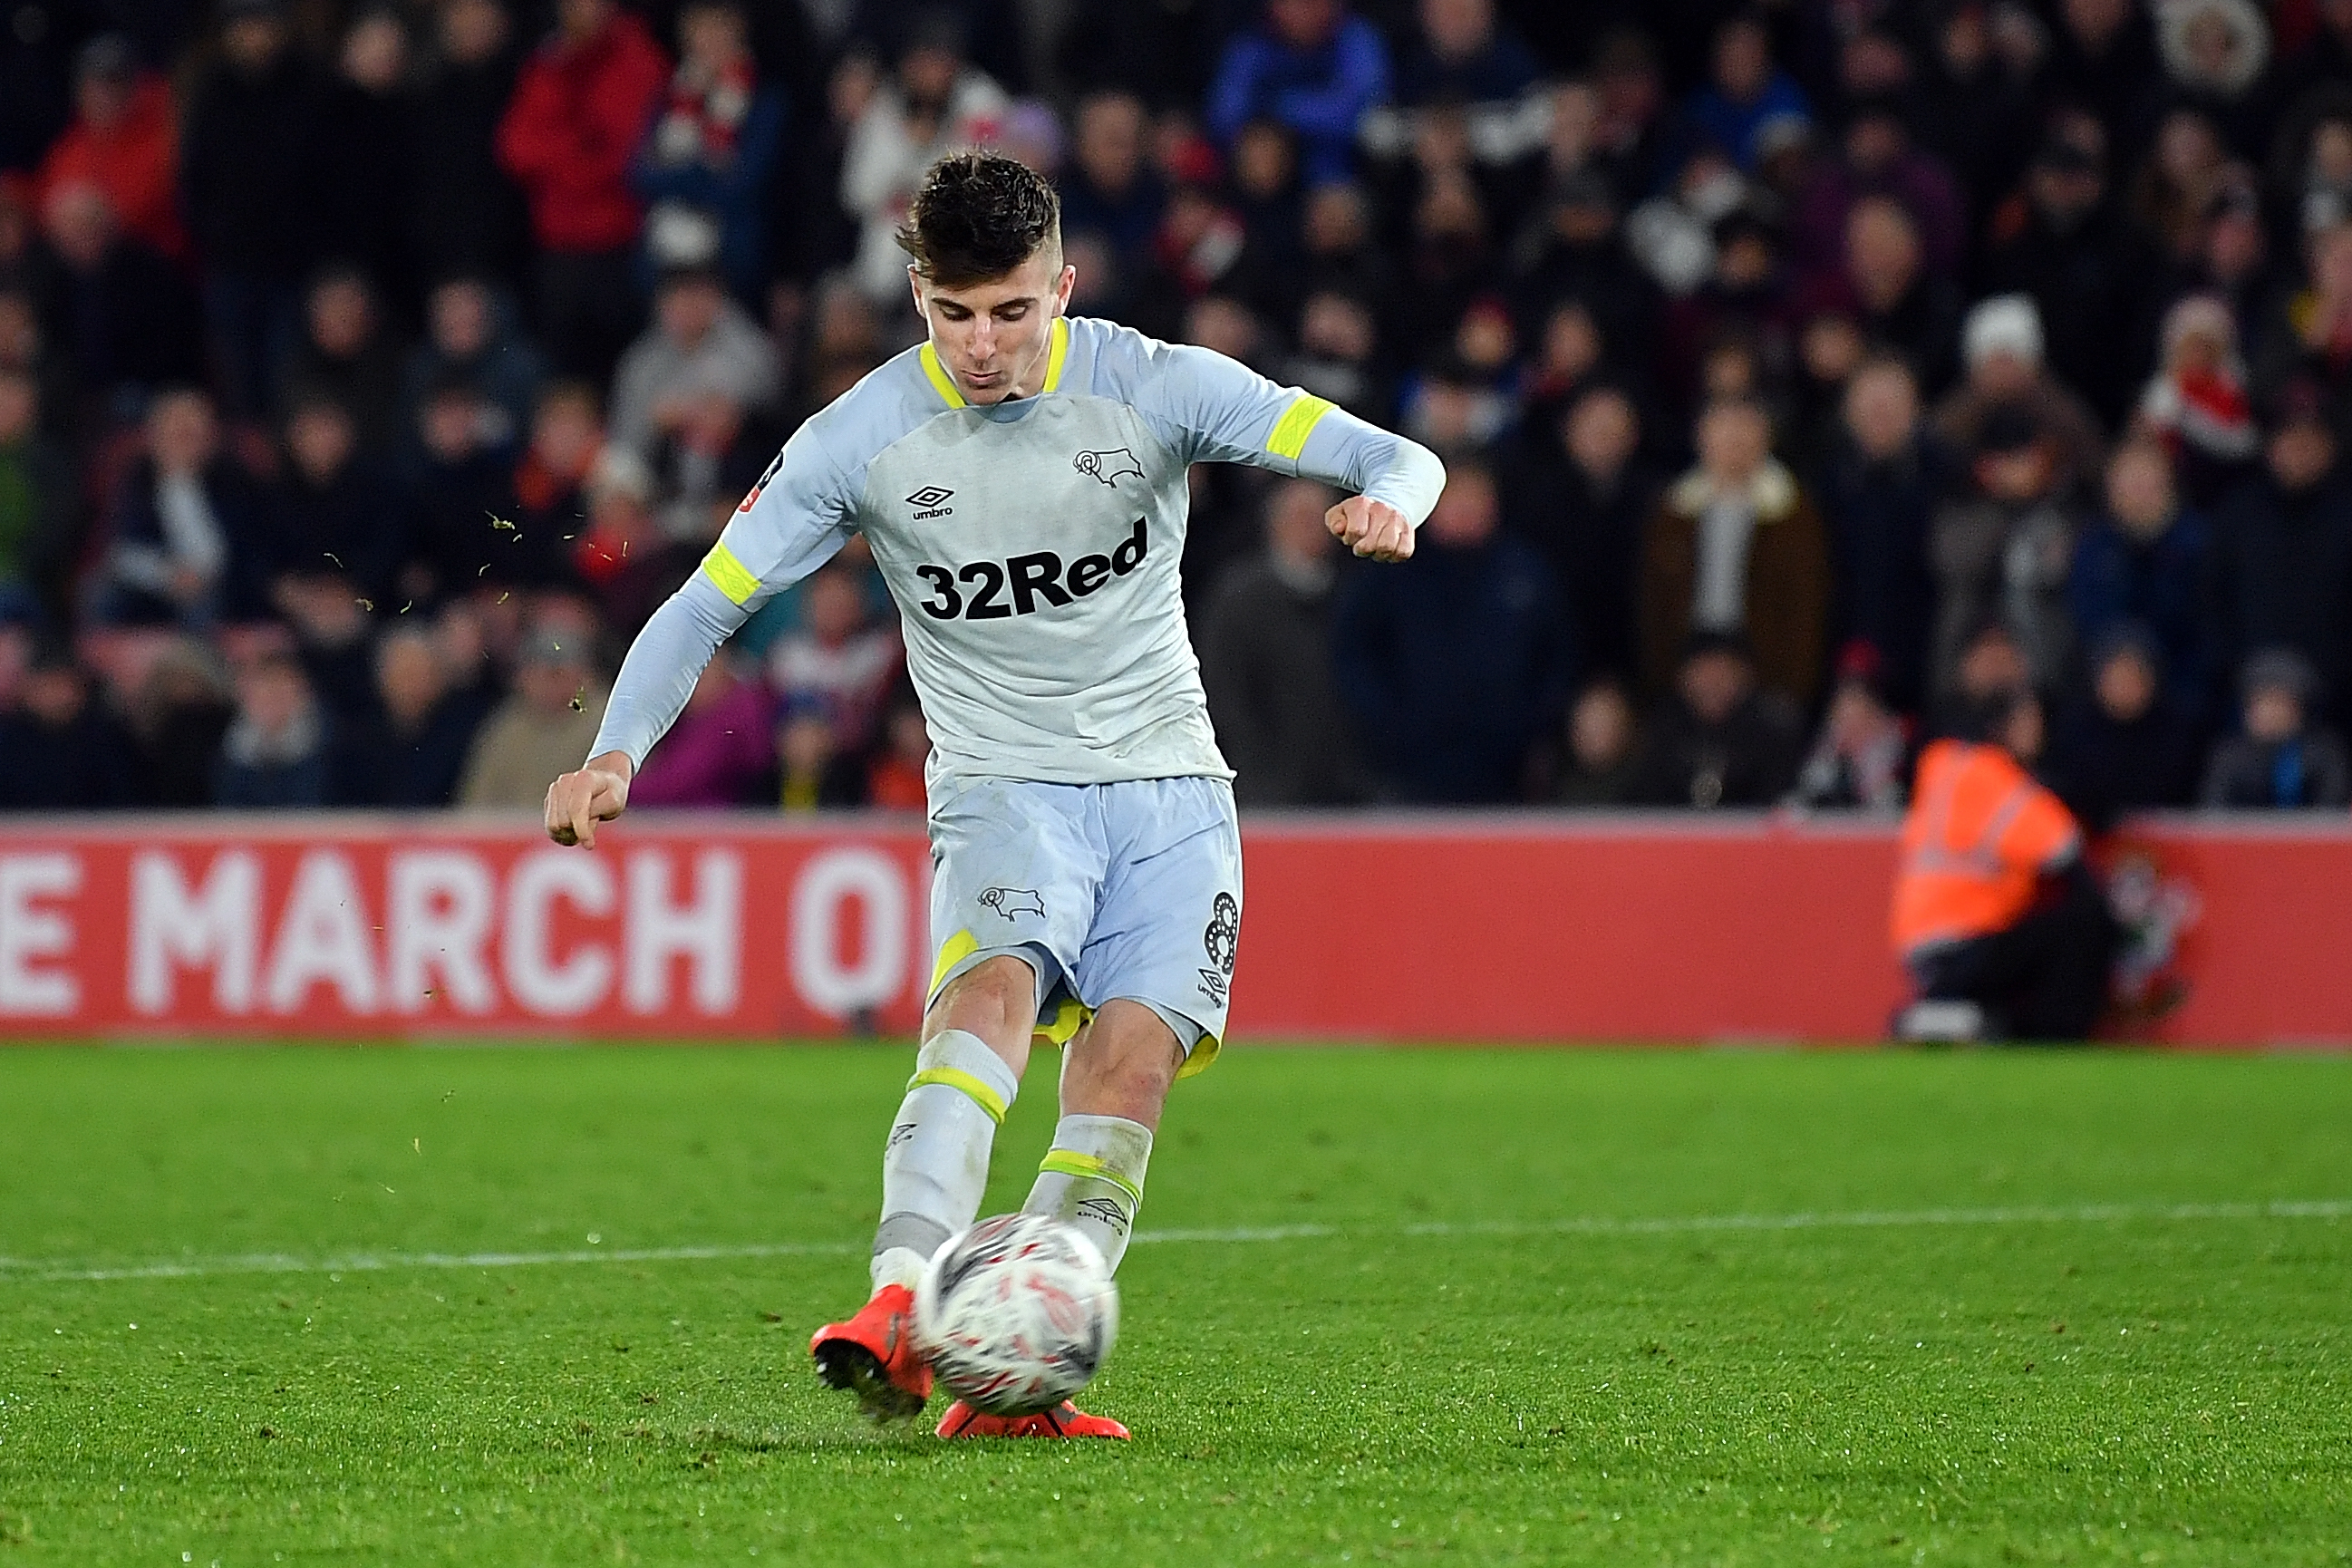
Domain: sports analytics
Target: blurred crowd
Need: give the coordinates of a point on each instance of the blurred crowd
(1806, 372)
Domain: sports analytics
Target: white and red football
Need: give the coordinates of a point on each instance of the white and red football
(1018, 1314)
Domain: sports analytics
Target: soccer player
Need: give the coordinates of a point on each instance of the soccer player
(1020, 478)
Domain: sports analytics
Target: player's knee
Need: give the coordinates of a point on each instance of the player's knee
(996, 994)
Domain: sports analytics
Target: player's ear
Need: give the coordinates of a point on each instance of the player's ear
(915, 282)
(1062, 287)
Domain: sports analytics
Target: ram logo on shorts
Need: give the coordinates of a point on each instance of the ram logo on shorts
(1109, 467)
(1012, 901)
(1223, 939)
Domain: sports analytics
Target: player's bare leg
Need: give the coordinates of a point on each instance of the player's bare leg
(1116, 1074)
(934, 1170)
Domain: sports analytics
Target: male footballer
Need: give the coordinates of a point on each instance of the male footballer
(1020, 478)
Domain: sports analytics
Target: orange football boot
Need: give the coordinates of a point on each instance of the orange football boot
(1064, 1420)
(873, 1356)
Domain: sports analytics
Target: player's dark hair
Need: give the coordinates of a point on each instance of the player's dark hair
(978, 216)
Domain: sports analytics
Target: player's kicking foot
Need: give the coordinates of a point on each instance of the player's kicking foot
(1064, 1420)
(873, 1356)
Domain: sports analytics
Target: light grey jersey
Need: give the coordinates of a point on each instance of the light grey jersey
(1030, 547)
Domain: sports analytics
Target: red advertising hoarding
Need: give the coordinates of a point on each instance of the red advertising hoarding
(1483, 927)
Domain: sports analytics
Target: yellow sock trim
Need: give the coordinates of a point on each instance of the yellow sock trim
(980, 1094)
(1070, 1163)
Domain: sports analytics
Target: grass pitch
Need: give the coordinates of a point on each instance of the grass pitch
(531, 1306)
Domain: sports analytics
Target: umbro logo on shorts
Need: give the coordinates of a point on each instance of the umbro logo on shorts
(928, 499)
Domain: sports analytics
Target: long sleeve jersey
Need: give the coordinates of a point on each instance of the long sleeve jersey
(1030, 545)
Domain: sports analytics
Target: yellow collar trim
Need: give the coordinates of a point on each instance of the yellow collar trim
(1060, 351)
(1055, 357)
(941, 382)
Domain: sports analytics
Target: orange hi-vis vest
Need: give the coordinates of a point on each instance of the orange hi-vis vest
(1980, 833)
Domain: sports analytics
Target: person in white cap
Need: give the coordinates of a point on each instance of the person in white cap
(2000, 348)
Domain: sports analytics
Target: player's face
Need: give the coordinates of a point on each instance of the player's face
(993, 336)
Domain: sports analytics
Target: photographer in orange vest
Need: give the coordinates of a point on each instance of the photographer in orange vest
(2000, 921)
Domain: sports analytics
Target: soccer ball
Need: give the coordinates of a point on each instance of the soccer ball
(1016, 1314)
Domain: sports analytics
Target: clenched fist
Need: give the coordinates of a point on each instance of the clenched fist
(1372, 529)
(577, 802)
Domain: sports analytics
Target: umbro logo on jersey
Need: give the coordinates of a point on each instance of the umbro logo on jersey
(1109, 467)
(927, 500)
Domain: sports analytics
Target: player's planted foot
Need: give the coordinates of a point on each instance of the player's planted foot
(1064, 1420)
(873, 1356)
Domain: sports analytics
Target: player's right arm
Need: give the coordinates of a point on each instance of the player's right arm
(791, 524)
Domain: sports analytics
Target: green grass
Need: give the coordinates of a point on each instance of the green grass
(1460, 1365)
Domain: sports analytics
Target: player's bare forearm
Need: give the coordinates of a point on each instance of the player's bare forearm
(578, 801)
(1372, 529)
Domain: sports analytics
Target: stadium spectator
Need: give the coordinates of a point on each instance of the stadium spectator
(1265, 662)
(1111, 190)
(1998, 919)
(2005, 548)
(124, 141)
(472, 337)
(2280, 761)
(2148, 562)
(1308, 65)
(458, 482)
(2216, 53)
(177, 716)
(1455, 661)
(416, 749)
(366, 153)
(1898, 304)
(2121, 747)
(333, 513)
(719, 753)
(1859, 760)
(2087, 270)
(1602, 767)
(37, 509)
(2285, 557)
(120, 313)
(466, 217)
(2176, 184)
(567, 434)
(628, 563)
(2197, 403)
(65, 751)
(1747, 95)
(701, 342)
(1720, 738)
(2103, 58)
(894, 779)
(1581, 496)
(812, 773)
(707, 158)
(1879, 489)
(282, 748)
(1735, 549)
(838, 663)
(1459, 52)
(347, 354)
(2002, 350)
(544, 727)
(933, 103)
(1877, 158)
(185, 530)
(248, 185)
(579, 106)
(2308, 343)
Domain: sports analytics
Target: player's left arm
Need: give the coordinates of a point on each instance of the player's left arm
(1225, 412)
